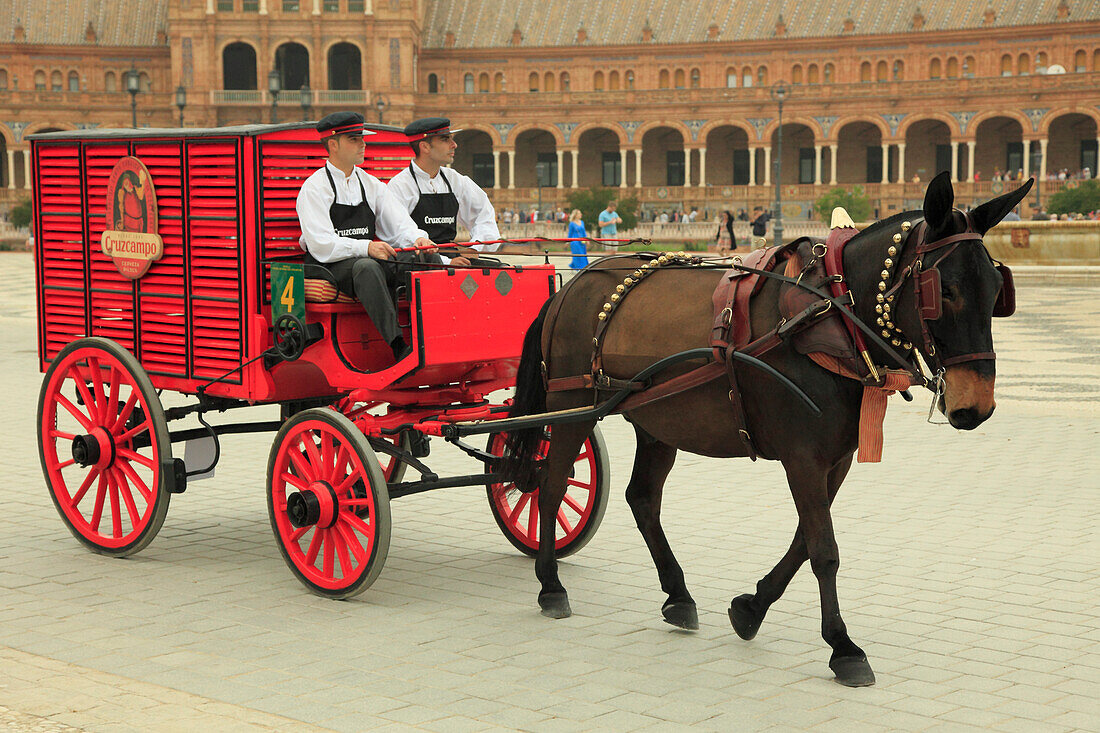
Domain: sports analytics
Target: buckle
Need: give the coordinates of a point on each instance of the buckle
(727, 316)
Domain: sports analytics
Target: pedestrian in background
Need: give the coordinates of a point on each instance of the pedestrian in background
(760, 227)
(577, 247)
(725, 233)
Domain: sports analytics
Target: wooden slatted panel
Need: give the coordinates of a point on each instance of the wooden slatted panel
(214, 200)
(112, 295)
(60, 246)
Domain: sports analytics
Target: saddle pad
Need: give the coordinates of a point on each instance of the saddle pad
(322, 291)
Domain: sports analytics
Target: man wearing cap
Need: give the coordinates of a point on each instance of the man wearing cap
(438, 202)
(349, 222)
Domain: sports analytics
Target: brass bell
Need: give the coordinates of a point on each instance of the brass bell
(889, 262)
(646, 266)
(615, 297)
(637, 274)
(885, 274)
(908, 346)
(628, 282)
(892, 251)
(880, 321)
(897, 239)
(885, 333)
(603, 317)
(906, 226)
(620, 289)
(606, 307)
(886, 307)
(895, 342)
(880, 297)
(889, 324)
(878, 309)
(882, 287)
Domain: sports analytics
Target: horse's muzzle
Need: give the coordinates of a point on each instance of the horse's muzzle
(968, 397)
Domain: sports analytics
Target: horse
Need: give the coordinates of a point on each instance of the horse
(670, 311)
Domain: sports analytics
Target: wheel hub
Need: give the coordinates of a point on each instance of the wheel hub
(315, 505)
(95, 448)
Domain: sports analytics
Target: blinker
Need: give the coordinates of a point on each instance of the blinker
(1006, 298)
(931, 306)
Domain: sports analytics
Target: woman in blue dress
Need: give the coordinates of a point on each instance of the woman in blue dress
(577, 247)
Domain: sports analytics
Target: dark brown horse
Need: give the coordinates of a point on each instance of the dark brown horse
(670, 311)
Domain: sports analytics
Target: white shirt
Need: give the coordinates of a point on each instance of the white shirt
(392, 223)
(475, 211)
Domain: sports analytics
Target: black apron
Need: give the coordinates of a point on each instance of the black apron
(352, 221)
(436, 213)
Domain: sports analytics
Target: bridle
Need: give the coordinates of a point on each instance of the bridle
(926, 285)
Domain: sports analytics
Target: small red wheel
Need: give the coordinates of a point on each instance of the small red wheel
(104, 446)
(582, 508)
(328, 505)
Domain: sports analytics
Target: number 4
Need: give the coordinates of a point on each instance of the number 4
(287, 298)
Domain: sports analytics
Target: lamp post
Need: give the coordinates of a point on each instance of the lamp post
(274, 85)
(181, 100)
(779, 91)
(133, 86)
(381, 104)
(307, 101)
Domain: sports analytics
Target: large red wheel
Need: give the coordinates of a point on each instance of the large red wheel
(104, 446)
(581, 511)
(328, 504)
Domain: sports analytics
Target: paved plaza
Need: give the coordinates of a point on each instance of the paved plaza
(970, 573)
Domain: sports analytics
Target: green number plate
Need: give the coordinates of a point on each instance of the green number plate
(288, 290)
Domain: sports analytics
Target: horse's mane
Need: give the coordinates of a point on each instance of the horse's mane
(891, 221)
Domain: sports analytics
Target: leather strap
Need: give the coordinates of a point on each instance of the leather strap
(977, 356)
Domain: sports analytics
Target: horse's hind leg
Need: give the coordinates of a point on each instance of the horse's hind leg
(652, 462)
(747, 611)
(565, 443)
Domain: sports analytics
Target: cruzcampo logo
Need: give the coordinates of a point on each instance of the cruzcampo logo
(131, 239)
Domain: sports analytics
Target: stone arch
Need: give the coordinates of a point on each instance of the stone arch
(293, 59)
(1001, 146)
(809, 122)
(594, 142)
(7, 135)
(344, 64)
(680, 127)
(910, 120)
(559, 138)
(586, 126)
(1050, 117)
(875, 120)
(728, 153)
(489, 130)
(856, 159)
(238, 59)
(927, 145)
(36, 127)
(981, 117)
(474, 155)
(714, 124)
(663, 155)
(798, 134)
(535, 147)
(1072, 142)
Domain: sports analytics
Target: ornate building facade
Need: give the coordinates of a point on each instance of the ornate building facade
(675, 103)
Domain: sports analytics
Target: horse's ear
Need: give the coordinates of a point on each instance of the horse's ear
(989, 214)
(938, 201)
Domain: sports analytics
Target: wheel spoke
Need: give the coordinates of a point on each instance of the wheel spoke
(62, 435)
(583, 455)
(134, 432)
(297, 533)
(563, 522)
(116, 509)
(289, 478)
(136, 457)
(352, 541)
(100, 495)
(329, 555)
(314, 546)
(75, 412)
(66, 464)
(312, 452)
(126, 411)
(327, 452)
(304, 470)
(578, 483)
(533, 520)
(513, 516)
(364, 529)
(346, 568)
(82, 389)
(87, 484)
(340, 464)
(573, 504)
(97, 388)
(131, 474)
(128, 497)
(112, 400)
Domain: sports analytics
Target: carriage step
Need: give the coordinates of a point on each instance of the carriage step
(179, 476)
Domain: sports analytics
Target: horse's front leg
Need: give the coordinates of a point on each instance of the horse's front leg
(747, 611)
(809, 486)
(652, 462)
(565, 443)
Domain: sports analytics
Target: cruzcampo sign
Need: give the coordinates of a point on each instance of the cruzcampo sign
(131, 239)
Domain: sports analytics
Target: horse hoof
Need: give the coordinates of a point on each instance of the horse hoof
(745, 621)
(852, 671)
(555, 605)
(683, 615)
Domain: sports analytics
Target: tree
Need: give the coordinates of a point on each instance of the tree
(592, 201)
(1080, 199)
(855, 202)
(21, 214)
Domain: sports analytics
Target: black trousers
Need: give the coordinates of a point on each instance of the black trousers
(372, 282)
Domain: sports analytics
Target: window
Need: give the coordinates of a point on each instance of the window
(1079, 59)
(484, 172)
(1024, 65)
(225, 6)
(1096, 60)
(330, 6)
(1014, 156)
(1041, 62)
(483, 83)
(40, 81)
(731, 78)
(612, 169)
(881, 71)
(865, 71)
(741, 167)
(565, 81)
(1088, 156)
(952, 68)
(498, 82)
(746, 77)
(468, 84)
(696, 78)
(3, 79)
(674, 165)
(548, 82)
(899, 70)
(74, 82)
(969, 67)
(630, 80)
(828, 73)
(680, 78)
(110, 82)
(252, 6)
(806, 160)
(355, 6)
(144, 82)
(290, 6)
(546, 169)
(433, 84)
(663, 79)
(874, 164)
(597, 81)
(812, 75)
(613, 81)
(934, 69)
(762, 75)
(943, 158)
(1006, 65)
(796, 74)
(533, 82)
(55, 81)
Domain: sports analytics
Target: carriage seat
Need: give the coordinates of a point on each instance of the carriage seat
(319, 290)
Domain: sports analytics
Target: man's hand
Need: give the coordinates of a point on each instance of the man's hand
(424, 242)
(459, 262)
(380, 251)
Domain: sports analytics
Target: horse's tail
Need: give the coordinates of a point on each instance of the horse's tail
(518, 463)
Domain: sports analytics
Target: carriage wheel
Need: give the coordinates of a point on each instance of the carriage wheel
(104, 446)
(328, 505)
(581, 511)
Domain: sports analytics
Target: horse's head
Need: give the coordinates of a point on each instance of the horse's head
(955, 290)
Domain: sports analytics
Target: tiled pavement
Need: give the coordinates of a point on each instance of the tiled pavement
(969, 574)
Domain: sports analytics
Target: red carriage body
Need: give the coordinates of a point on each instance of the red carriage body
(114, 329)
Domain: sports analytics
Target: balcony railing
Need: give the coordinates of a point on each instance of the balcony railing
(318, 97)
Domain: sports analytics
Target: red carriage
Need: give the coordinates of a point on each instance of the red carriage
(168, 260)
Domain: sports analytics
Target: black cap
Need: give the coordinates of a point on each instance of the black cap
(342, 123)
(427, 127)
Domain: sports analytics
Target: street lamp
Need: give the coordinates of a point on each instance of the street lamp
(779, 91)
(181, 100)
(133, 86)
(307, 101)
(274, 85)
(381, 104)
